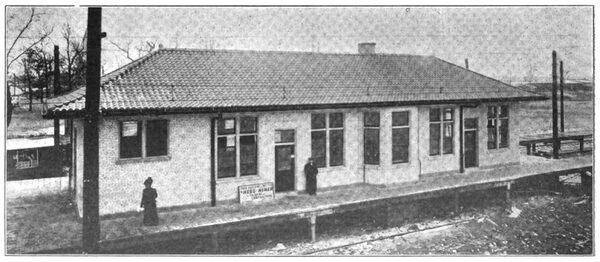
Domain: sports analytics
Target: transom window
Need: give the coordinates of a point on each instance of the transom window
(371, 123)
(144, 138)
(400, 136)
(237, 142)
(441, 131)
(327, 139)
(497, 126)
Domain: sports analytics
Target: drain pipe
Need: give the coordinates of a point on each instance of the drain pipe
(213, 173)
(460, 135)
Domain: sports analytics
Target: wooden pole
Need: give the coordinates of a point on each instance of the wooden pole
(91, 219)
(562, 99)
(313, 227)
(56, 71)
(555, 141)
(466, 63)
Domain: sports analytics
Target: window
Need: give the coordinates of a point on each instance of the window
(441, 131)
(156, 137)
(144, 138)
(131, 139)
(497, 126)
(371, 138)
(26, 158)
(400, 136)
(237, 142)
(327, 139)
(284, 136)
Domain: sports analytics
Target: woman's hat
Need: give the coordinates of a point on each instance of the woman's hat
(148, 181)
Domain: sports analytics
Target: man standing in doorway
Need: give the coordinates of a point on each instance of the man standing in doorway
(311, 171)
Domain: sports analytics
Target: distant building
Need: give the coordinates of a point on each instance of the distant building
(33, 157)
(250, 117)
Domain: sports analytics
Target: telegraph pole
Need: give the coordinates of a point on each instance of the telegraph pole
(562, 99)
(56, 71)
(555, 142)
(91, 218)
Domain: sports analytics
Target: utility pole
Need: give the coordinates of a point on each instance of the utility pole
(555, 142)
(467, 63)
(562, 99)
(56, 71)
(91, 218)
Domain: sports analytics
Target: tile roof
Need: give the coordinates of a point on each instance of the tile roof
(192, 80)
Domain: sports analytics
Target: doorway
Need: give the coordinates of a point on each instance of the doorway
(470, 135)
(285, 166)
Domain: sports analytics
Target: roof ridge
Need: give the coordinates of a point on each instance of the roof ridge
(283, 52)
(125, 69)
(477, 73)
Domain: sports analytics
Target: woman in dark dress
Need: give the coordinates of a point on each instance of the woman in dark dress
(311, 177)
(149, 196)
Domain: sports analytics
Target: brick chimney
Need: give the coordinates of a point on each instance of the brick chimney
(366, 48)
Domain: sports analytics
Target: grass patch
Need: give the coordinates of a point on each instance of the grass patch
(24, 121)
(41, 223)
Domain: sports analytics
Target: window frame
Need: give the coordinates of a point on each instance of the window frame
(442, 122)
(32, 164)
(327, 129)
(372, 127)
(142, 126)
(398, 127)
(496, 120)
(238, 134)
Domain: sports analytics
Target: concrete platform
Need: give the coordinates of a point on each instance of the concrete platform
(121, 233)
(194, 222)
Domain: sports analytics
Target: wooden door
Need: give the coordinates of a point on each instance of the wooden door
(470, 140)
(284, 168)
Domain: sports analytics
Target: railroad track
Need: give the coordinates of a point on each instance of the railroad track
(336, 247)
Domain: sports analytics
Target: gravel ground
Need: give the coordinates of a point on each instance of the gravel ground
(551, 223)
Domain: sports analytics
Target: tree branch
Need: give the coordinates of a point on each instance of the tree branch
(124, 50)
(44, 36)
(21, 32)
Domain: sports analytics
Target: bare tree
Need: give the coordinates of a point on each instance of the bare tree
(73, 55)
(11, 54)
(142, 48)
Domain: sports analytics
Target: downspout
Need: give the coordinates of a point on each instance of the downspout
(460, 135)
(419, 140)
(213, 179)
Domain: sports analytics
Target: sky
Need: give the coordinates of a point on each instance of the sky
(512, 44)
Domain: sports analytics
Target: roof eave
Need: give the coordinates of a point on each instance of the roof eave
(208, 110)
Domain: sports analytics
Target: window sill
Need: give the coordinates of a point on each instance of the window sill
(228, 180)
(442, 155)
(400, 163)
(142, 160)
(372, 166)
(326, 169)
(498, 150)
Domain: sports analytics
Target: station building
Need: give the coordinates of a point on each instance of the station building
(188, 117)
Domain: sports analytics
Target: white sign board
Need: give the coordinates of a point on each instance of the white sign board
(256, 192)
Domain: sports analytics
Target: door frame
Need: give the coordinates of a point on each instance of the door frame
(476, 130)
(295, 161)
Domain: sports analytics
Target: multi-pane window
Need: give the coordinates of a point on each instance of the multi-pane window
(327, 132)
(371, 137)
(237, 142)
(441, 131)
(400, 136)
(139, 139)
(497, 126)
(26, 158)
